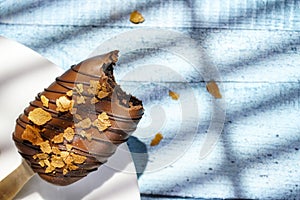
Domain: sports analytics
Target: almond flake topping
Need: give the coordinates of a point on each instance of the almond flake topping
(80, 99)
(56, 150)
(102, 123)
(45, 147)
(86, 135)
(32, 134)
(41, 156)
(99, 89)
(94, 100)
(58, 138)
(78, 159)
(69, 134)
(69, 93)
(94, 87)
(77, 116)
(45, 101)
(79, 88)
(86, 123)
(69, 147)
(39, 117)
(102, 94)
(64, 104)
(57, 161)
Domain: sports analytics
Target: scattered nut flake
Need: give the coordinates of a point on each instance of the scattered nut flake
(69, 93)
(73, 111)
(64, 104)
(32, 134)
(42, 163)
(80, 99)
(103, 116)
(69, 134)
(47, 162)
(65, 171)
(41, 156)
(72, 167)
(56, 150)
(156, 140)
(173, 95)
(68, 159)
(78, 159)
(94, 100)
(69, 147)
(53, 157)
(213, 89)
(103, 82)
(102, 123)
(45, 147)
(102, 94)
(58, 138)
(77, 116)
(79, 88)
(82, 133)
(39, 117)
(57, 161)
(105, 87)
(136, 17)
(64, 154)
(49, 169)
(88, 136)
(45, 101)
(86, 123)
(94, 87)
(99, 89)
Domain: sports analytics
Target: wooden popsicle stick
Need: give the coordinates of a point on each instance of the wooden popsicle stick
(14, 182)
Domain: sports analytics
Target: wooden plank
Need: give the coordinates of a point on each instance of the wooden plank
(259, 142)
(254, 157)
(242, 14)
(239, 55)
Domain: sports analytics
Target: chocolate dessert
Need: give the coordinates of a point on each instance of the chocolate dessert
(76, 124)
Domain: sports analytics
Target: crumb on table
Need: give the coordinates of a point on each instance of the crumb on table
(213, 89)
(156, 140)
(136, 17)
(174, 95)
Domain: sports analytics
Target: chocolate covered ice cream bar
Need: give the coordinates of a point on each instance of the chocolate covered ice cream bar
(74, 125)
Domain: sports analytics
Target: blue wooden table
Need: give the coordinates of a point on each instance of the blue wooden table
(255, 47)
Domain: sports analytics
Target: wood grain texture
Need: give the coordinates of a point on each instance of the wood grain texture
(238, 54)
(261, 135)
(254, 45)
(242, 14)
(14, 182)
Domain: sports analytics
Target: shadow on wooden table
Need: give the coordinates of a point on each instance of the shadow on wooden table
(139, 154)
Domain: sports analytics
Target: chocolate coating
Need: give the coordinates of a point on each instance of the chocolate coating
(124, 112)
